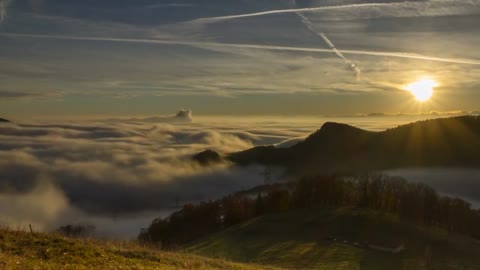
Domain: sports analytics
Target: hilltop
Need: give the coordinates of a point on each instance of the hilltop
(3, 120)
(22, 250)
(339, 147)
(323, 239)
(329, 222)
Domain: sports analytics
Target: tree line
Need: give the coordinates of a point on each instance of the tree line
(414, 202)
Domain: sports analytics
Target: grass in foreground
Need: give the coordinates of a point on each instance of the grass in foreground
(22, 250)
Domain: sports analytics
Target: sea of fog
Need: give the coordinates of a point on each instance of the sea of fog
(120, 174)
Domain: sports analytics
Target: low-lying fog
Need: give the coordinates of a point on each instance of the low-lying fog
(120, 174)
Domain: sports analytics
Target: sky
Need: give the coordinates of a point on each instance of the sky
(68, 58)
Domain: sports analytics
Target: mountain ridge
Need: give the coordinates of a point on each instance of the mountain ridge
(338, 147)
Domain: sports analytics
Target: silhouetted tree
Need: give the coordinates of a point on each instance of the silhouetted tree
(259, 205)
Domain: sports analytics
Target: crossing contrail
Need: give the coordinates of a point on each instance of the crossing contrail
(330, 44)
(248, 46)
(294, 10)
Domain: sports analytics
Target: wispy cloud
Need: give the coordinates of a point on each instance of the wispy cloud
(367, 10)
(293, 10)
(252, 46)
(6, 94)
(171, 5)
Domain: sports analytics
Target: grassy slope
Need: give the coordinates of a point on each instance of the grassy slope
(21, 250)
(297, 239)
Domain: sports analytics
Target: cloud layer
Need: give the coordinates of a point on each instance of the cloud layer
(116, 173)
(119, 174)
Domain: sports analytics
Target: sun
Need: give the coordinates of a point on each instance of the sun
(422, 89)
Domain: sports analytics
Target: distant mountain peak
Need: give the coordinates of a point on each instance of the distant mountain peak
(334, 130)
(334, 147)
(338, 127)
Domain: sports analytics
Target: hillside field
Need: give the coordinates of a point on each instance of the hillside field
(303, 239)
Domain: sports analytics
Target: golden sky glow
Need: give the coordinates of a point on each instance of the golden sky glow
(123, 58)
(422, 89)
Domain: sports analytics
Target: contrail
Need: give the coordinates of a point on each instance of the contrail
(250, 46)
(294, 10)
(349, 63)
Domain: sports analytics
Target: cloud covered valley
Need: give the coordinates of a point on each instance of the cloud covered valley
(117, 174)
(120, 174)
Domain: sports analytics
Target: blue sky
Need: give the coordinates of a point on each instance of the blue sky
(236, 57)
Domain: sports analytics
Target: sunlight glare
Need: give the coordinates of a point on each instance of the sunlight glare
(422, 89)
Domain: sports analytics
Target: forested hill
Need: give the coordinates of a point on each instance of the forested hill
(296, 224)
(336, 147)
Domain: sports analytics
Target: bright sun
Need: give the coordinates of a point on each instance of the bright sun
(422, 89)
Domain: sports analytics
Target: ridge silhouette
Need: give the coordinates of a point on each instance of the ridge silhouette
(337, 147)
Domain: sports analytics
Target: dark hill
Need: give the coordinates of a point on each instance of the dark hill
(207, 157)
(340, 147)
(3, 120)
